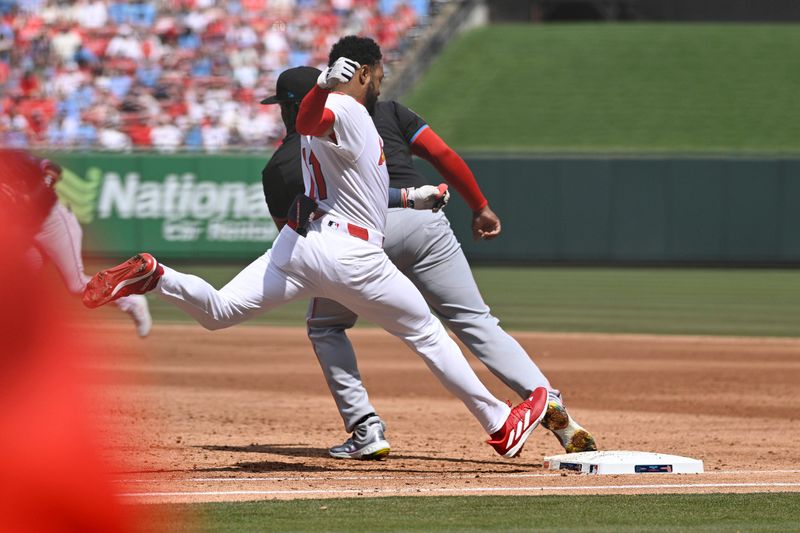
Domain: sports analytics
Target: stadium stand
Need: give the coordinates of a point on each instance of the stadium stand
(171, 75)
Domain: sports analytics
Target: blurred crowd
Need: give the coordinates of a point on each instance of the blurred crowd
(171, 75)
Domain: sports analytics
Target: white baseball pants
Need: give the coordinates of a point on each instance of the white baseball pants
(59, 238)
(424, 248)
(331, 264)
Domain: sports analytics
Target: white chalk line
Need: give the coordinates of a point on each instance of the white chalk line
(454, 489)
(337, 478)
(406, 478)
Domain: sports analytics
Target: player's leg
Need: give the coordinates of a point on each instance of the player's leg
(60, 238)
(327, 323)
(443, 275)
(136, 305)
(365, 281)
(426, 250)
(259, 287)
(385, 295)
(402, 311)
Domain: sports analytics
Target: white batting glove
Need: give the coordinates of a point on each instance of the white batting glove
(341, 71)
(426, 197)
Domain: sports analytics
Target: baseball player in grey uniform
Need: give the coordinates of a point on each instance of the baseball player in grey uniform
(422, 245)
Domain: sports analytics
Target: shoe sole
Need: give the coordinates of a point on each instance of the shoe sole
(96, 292)
(375, 451)
(555, 419)
(131, 281)
(581, 441)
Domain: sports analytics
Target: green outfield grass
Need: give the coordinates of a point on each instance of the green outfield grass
(665, 513)
(674, 301)
(617, 88)
(613, 300)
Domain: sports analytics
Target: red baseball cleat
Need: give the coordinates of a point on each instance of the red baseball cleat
(520, 423)
(137, 275)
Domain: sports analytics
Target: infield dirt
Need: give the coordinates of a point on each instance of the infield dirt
(245, 414)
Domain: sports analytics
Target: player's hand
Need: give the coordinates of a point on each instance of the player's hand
(341, 71)
(485, 224)
(427, 197)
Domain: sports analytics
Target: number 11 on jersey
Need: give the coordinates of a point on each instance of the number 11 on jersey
(318, 187)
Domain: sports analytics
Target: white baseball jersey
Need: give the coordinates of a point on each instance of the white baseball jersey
(346, 171)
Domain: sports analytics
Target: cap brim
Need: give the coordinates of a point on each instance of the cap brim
(271, 100)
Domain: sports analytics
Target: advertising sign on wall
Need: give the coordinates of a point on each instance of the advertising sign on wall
(174, 206)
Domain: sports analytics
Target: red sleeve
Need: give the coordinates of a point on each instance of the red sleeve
(314, 118)
(453, 169)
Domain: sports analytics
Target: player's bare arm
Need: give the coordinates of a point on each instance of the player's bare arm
(429, 146)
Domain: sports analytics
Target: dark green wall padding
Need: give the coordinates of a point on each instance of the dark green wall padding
(636, 210)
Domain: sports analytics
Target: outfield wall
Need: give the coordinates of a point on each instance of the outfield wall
(607, 210)
(577, 210)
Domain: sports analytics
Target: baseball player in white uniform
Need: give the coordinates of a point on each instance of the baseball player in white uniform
(32, 180)
(422, 245)
(340, 257)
